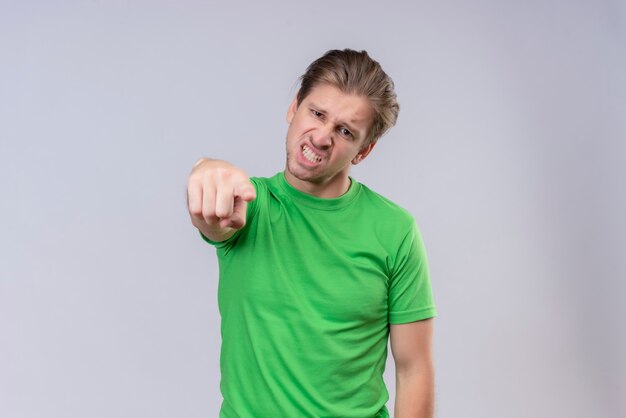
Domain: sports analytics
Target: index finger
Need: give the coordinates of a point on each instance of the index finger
(245, 191)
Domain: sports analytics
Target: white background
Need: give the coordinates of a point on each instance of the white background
(509, 150)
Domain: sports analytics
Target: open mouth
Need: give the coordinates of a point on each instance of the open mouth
(310, 155)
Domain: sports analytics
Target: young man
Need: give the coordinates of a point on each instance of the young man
(316, 270)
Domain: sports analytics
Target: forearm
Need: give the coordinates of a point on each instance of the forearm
(415, 393)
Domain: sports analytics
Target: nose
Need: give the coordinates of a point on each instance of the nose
(323, 137)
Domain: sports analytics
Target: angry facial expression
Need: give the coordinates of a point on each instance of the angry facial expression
(326, 135)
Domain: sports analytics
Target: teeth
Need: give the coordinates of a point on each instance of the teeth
(310, 155)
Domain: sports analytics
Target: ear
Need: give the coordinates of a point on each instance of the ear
(363, 153)
(291, 112)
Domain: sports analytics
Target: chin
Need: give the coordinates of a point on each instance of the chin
(302, 174)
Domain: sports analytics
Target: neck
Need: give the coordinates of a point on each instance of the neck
(329, 189)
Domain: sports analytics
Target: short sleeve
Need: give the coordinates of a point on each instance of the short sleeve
(410, 292)
(250, 213)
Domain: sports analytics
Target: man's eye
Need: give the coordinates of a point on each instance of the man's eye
(316, 113)
(345, 132)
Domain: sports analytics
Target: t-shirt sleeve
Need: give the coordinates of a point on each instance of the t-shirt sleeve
(250, 213)
(410, 292)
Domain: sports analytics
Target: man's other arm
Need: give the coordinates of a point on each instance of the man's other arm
(217, 198)
(411, 346)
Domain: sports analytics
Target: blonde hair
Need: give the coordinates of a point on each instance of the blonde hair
(354, 72)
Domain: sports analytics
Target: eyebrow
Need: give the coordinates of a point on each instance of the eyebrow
(357, 133)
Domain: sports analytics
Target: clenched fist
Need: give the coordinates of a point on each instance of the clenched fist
(217, 197)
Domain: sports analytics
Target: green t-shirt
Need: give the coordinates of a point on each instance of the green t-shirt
(306, 293)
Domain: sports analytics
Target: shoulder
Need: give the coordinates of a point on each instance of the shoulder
(393, 225)
(267, 188)
(262, 184)
(384, 208)
(259, 182)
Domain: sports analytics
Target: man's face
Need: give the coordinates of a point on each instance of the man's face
(325, 136)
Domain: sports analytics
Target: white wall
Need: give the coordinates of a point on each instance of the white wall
(509, 150)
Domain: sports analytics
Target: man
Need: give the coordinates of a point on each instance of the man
(316, 270)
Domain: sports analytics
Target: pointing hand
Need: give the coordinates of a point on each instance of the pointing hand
(217, 197)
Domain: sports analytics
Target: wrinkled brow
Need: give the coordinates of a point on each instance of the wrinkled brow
(355, 131)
